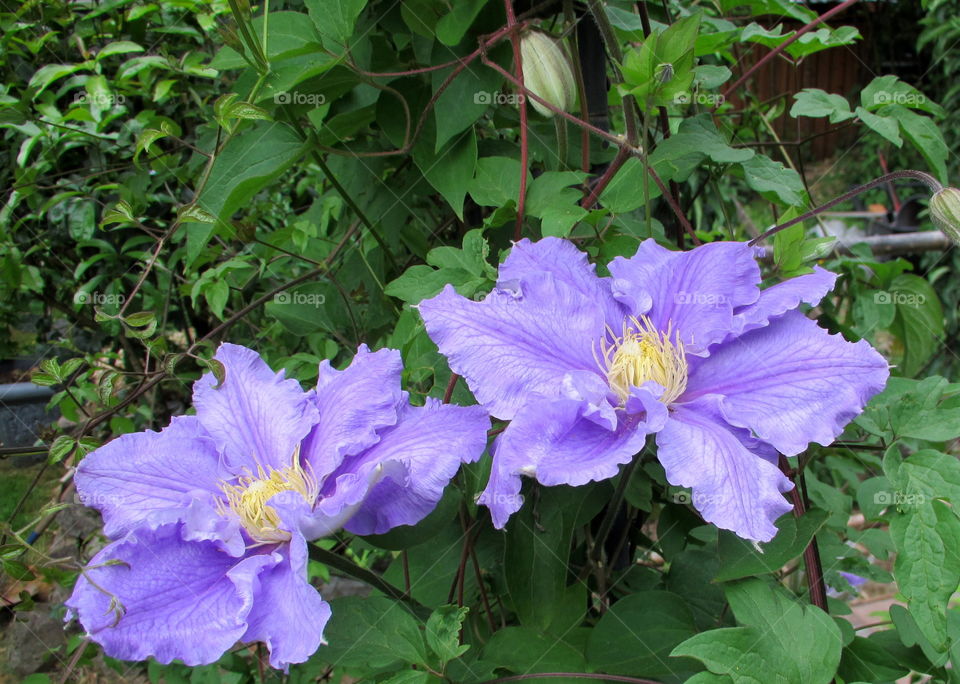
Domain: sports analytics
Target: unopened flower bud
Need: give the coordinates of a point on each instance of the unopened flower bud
(547, 72)
(945, 212)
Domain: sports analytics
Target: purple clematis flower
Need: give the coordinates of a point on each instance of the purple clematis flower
(212, 515)
(681, 344)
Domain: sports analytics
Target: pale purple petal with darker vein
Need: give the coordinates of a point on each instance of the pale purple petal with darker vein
(809, 288)
(181, 600)
(353, 404)
(732, 487)
(515, 343)
(257, 417)
(288, 614)
(429, 442)
(694, 293)
(791, 383)
(555, 443)
(150, 477)
(566, 263)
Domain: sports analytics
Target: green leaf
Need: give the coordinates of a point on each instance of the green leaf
(450, 170)
(526, 650)
(46, 75)
(453, 25)
(372, 633)
(919, 320)
(637, 634)
(496, 182)
(924, 135)
(886, 126)
(310, 308)
(464, 100)
(551, 198)
(119, 47)
(890, 90)
(782, 642)
(62, 447)
(626, 191)
(740, 558)
(443, 632)
(817, 103)
(538, 547)
(927, 569)
(335, 19)
(774, 181)
(676, 157)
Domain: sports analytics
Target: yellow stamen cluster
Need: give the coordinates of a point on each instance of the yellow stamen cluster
(641, 353)
(247, 499)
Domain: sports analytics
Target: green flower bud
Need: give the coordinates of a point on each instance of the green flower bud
(945, 212)
(547, 72)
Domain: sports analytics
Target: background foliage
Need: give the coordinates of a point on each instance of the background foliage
(294, 176)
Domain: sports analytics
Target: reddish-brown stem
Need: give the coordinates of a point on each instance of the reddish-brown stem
(451, 385)
(622, 156)
(783, 46)
(678, 212)
(932, 183)
(811, 554)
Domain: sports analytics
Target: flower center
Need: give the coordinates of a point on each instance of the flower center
(248, 499)
(641, 354)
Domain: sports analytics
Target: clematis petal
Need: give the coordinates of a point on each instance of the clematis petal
(786, 296)
(353, 404)
(554, 442)
(693, 293)
(791, 383)
(257, 418)
(288, 614)
(430, 442)
(733, 488)
(515, 343)
(151, 477)
(180, 600)
(566, 263)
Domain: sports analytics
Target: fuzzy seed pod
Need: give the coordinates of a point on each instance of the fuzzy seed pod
(547, 72)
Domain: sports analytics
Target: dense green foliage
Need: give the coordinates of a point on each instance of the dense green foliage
(296, 176)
